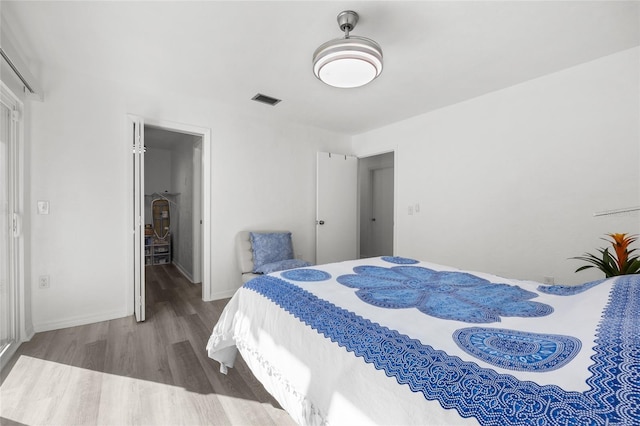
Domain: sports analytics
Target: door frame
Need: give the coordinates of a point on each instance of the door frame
(205, 195)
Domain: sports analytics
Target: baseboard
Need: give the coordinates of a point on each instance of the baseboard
(27, 334)
(80, 320)
(222, 295)
(187, 275)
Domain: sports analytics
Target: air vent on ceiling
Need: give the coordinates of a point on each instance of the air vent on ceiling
(265, 99)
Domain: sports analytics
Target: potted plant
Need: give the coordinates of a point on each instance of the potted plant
(620, 263)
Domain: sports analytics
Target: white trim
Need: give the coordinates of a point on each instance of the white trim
(223, 294)
(80, 320)
(196, 213)
(206, 216)
(183, 271)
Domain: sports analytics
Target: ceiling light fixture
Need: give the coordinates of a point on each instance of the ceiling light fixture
(350, 61)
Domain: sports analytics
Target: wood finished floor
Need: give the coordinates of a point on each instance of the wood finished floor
(121, 372)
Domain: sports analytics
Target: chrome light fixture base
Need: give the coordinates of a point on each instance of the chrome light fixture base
(347, 20)
(350, 61)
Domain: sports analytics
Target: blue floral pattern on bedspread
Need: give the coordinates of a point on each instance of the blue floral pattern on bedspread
(568, 290)
(307, 275)
(442, 294)
(518, 350)
(399, 260)
(490, 397)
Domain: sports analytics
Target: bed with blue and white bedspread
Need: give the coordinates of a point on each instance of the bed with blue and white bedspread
(393, 340)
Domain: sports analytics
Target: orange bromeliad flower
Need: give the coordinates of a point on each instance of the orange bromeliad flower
(620, 244)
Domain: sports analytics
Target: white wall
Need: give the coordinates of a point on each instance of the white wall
(182, 184)
(157, 177)
(508, 182)
(263, 176)
(157, 171)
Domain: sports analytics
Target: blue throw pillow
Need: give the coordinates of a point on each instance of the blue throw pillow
(270, 247)
(282, 265)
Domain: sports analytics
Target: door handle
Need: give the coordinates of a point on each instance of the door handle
(373, 219)
(320, 222)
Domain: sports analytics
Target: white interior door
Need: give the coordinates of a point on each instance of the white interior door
(136, 127)
(382, 209)
(336, 207)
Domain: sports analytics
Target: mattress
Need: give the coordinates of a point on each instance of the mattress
(393, 340)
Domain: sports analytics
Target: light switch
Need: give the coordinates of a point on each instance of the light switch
(43, 207)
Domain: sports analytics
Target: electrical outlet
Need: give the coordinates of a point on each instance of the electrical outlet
(43, 207)
(43, 281)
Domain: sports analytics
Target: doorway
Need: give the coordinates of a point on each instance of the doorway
(351, 190)
(376, 185)
(172, 179)
(179, 176)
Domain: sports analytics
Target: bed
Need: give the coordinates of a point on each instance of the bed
(393, 340)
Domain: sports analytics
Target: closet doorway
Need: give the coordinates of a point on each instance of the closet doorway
(171, 171)
(173, 202)
(376, 187)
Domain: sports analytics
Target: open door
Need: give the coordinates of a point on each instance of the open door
(136, 127)
(336, 208)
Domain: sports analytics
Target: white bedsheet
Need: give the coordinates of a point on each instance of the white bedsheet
(318, 381)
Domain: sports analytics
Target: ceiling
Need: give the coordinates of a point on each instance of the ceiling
(436, 53)
(160, 138)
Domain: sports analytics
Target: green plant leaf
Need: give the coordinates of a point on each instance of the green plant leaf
(612, 265)
(632, 267)
(582, 268)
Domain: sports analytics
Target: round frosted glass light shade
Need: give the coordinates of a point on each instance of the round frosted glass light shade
(348, 62)
(347, 72)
